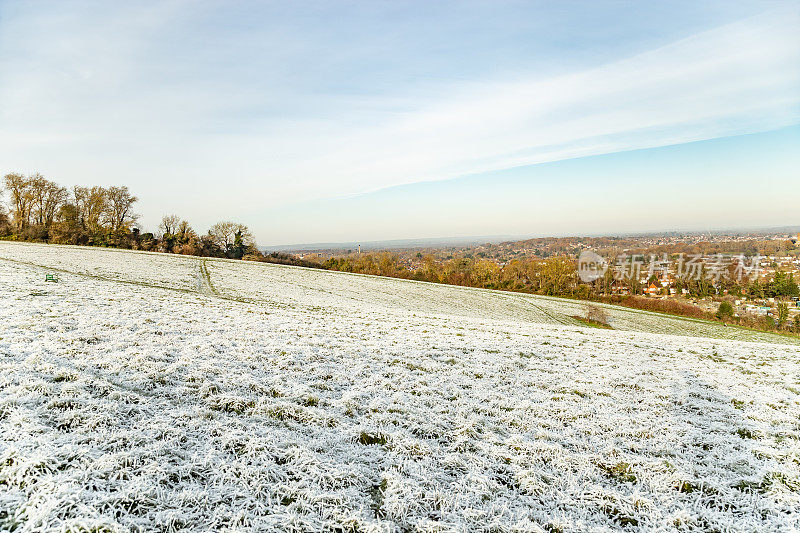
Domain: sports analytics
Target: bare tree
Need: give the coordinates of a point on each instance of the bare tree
(92, 206)
(46, 199)
(224, 234)
(80, 197)
(120, 207)
(5, 222)
(19, 189)
(169, 225)
(55, 197)
(37, 187)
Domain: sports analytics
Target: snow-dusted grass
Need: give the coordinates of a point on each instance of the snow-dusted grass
(280, 286)
(225, 395)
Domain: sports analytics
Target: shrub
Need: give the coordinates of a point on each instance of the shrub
(783, 313)
(725, 311)
(660, 306)
(596, 314)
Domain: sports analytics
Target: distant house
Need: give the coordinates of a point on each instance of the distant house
(619, 288)
(653, 290)
(757, 309)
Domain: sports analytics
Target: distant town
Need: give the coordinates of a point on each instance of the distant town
(737, 267)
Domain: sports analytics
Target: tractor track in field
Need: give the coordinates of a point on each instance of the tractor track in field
(204, 285)
(204, 281)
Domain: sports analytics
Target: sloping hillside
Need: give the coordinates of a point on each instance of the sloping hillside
(297, 288)
(154, 392)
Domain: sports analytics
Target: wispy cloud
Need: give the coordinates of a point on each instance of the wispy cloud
(740, 78)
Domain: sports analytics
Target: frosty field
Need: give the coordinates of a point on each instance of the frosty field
(151, 392)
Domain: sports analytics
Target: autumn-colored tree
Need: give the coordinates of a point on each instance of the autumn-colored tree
(559, 277)
(387, 265)
(516, 275)
(429, 269)
(67, 228)
(486, 273)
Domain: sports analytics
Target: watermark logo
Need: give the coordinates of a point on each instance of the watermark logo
(695, 267)
(591, 266)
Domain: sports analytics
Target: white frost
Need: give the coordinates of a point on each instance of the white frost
(151, 392)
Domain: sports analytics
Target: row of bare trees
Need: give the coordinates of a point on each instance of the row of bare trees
(40, 209)
(224, 239)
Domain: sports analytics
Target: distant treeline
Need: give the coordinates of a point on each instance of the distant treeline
(40, 210)
(558, 276)
(553, 276)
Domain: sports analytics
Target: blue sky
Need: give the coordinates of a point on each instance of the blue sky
(348, 121)
(744, 181)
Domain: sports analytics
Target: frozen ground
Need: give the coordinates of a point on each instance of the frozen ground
(146, 392)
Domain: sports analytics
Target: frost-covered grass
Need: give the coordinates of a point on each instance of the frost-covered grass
(150, 392)
(280, 286)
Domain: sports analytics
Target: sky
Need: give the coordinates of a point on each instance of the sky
(353, 121)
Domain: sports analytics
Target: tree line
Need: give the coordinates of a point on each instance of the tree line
(40, 210)
(558, 276)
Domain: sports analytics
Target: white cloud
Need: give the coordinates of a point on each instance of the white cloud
(740, 78)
